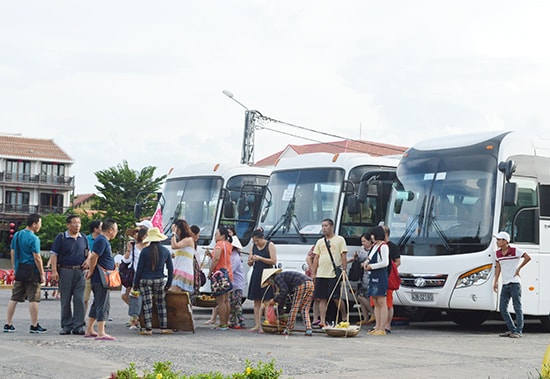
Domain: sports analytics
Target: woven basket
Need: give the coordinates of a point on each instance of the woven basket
(350, 331)
(205, 303)
(273, 329)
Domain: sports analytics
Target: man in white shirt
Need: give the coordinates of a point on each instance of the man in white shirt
(509, 262)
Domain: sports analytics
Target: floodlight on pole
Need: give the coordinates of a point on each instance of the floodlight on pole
(247, 153)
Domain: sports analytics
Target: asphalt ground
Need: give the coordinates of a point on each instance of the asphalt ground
(419, 350)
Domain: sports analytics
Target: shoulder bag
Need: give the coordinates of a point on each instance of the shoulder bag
(394, 280)
(220, 281)
(337, 270)
(25, 271)
(110, 279)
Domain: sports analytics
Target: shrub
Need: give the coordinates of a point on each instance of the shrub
(163, 370)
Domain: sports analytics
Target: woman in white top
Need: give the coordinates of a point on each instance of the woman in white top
(131, 256)
(377, 263)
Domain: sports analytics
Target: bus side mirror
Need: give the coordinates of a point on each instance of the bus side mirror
(229, 209)
(137, 211)
(354, 206)
(508, 168)
(510, 194)
(363, 192)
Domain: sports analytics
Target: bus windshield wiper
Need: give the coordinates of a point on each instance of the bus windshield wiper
(432, 221)
(287, 220)
(417, 221)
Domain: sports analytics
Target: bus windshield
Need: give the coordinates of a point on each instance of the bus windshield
(194, 200)
(443, 204)
(300, 200)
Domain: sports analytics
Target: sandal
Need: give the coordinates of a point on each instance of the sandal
(146, 332)
(165, 331)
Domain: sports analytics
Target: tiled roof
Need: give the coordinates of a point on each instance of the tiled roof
(375, 149)
(82, 198)
(17, 147)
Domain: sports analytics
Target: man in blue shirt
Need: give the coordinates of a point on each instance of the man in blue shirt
(68, 254)
(101, 255)
(25, 249)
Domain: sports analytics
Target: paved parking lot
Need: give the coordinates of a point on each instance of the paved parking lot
(419, 350)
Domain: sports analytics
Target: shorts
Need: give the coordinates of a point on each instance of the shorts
(389, 299)
(26, 291)
(324, 287)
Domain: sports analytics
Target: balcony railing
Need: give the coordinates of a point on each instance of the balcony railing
(28, 209)
(54, 180)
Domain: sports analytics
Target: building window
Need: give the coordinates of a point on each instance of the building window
(52, 172)
(17, 201)
(51, 203)
(18, 171)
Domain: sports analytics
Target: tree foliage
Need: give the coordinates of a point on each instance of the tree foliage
(53, 224)
(118, 189)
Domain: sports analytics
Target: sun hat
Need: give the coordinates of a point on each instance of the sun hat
(268, 273)
(502, 236)
(236, 243)
(146, 223)
(154, 235)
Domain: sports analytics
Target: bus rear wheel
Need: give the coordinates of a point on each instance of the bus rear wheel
(468, 319)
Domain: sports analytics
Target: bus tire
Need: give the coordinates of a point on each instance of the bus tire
(468, 319)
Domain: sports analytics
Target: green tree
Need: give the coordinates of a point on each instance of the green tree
(118, 190)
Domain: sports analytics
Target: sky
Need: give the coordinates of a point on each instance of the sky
(142, 81)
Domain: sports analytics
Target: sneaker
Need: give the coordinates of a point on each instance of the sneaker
(285, 332)
(78, 332)
(37, 329)
(308, 333)
(515, 335)
(505, 334)
(64, 332)
(9, 328)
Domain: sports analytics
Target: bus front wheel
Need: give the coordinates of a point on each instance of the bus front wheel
(468, 319)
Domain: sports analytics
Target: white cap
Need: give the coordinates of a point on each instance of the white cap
(503, 236)
(146, 223)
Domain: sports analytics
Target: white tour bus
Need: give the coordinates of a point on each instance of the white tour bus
(209, 195)
(308, 188)
(450, 197)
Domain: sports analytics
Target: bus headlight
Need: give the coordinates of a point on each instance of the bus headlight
(474, 277)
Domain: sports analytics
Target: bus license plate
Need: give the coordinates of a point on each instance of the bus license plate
(422, 296)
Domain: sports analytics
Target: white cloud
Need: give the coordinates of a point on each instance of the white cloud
(142, 81)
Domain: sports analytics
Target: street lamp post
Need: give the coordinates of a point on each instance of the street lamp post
(247, 153)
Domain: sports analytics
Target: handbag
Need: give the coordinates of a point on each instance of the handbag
(394, 280)
(221, 283)
(110, 279)
(26, 273)
(126, 272)
(337, 269)
(355, 271)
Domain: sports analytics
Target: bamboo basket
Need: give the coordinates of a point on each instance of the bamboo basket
(350, 331)
(204, 303)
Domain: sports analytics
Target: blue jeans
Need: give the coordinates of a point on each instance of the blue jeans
(511, 290)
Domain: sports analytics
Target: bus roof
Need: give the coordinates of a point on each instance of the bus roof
(344, 160)
(218, 169)
(510, 142)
